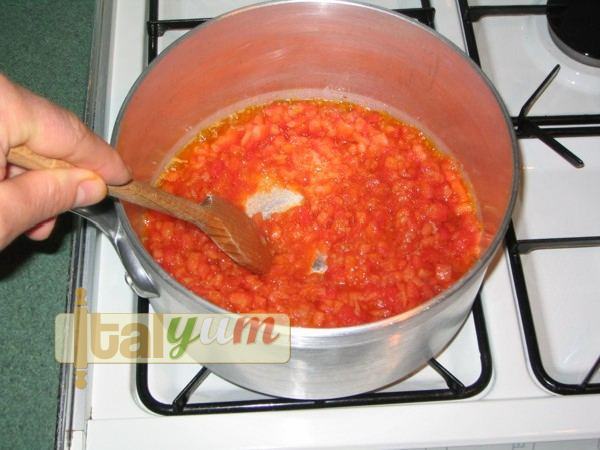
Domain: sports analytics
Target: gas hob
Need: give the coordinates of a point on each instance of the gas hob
(522, 372)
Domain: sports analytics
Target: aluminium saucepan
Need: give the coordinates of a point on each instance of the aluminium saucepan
(335, 50)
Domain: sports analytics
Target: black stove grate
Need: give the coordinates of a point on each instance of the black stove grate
(545, 128)
(516, 248)
(455, 389)
(158, 27)
(549, 126)
(179, 406)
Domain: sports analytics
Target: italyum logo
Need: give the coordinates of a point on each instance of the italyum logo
(84, 338)
(202, 330)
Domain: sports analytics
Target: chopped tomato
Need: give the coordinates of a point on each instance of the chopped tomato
(391, 219)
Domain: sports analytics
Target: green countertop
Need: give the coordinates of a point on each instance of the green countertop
(45, 46)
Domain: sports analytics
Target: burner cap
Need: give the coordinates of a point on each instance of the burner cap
(575, 28)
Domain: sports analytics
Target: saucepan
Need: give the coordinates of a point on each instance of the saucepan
(334, 50)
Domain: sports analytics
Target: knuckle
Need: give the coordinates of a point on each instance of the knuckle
(78, 130)
(45, 196)
(53, 196)
(31, 198)
(48, 189)
(12, 110)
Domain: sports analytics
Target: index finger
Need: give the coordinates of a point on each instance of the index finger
(47, 129)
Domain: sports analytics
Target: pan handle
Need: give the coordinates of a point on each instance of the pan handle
(104, 216)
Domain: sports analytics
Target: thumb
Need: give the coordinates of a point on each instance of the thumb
(34, 196)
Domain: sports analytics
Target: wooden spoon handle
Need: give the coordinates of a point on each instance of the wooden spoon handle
(227, 225)
(136, 192)
(23, 157)
(143, 194)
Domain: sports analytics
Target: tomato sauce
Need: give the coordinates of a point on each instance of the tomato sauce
(390, 218)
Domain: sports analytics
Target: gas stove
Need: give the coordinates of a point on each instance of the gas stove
(524, 370)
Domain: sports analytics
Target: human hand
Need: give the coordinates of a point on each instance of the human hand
(30, 200)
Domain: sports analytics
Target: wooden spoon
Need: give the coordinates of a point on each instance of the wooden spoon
(227, 225)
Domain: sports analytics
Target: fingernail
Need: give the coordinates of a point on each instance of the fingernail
(90, 191)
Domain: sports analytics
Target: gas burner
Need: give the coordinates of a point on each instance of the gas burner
(575, 28)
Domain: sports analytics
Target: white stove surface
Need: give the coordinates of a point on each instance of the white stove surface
(514, 411)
